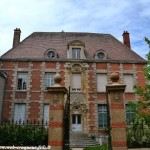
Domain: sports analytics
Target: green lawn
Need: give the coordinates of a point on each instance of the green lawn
(102, 147)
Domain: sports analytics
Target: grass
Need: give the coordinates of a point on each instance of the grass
(102, 147)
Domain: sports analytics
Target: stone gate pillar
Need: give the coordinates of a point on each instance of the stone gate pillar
(116, 106)
(55, 133)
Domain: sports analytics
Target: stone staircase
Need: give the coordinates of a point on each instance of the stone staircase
(81, 140)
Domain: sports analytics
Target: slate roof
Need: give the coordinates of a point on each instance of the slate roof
(36, 44)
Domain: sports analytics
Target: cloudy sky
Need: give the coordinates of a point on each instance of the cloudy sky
(100, 16)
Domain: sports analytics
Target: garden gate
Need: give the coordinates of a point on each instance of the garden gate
(67, 123)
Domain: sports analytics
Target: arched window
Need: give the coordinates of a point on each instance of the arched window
(51, 53)
(101, 54)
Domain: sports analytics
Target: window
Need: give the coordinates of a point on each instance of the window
(128, 81)
(22, 81)
(19, 112)
(51, 53)
(101, 82)
(46, 114)
(100, 55)
(76, 53)
(102, 116)
(49, 79)
(130, 114)
(76, 82)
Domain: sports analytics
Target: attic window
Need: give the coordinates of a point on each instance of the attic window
(51, 54)
(101, 54)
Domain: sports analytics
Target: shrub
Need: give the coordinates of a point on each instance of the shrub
(23, 135)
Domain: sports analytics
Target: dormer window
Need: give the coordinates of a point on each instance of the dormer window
(51, 53)
(76, 52)
(101, 54)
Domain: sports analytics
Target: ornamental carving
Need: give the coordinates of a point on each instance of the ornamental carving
(117, 97)
(76, 68)
(78, 107)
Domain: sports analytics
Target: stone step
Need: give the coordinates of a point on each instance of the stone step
(80, 140)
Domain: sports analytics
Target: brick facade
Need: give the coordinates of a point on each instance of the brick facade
(35, 95)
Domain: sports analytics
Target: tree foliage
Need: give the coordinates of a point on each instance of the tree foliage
(144, 92)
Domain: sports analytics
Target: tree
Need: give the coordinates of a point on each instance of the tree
(138, 131)
(140, 107)
(144, 92)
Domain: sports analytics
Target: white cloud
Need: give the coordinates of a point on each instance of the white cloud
(73, 15)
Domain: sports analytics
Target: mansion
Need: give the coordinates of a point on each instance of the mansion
(85, 62)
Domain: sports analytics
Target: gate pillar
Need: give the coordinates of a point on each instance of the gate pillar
(115, 100)
(56, 126)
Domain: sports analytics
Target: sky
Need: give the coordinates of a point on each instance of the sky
(96, 16)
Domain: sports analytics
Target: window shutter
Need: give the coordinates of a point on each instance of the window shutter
(128, 81)
(19, 112)
(46, 113)
(76, 82)
(101, 82)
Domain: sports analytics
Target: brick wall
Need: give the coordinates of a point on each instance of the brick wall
(36, 96)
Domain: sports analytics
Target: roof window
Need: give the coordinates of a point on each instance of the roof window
(51, 53)
(101, 54)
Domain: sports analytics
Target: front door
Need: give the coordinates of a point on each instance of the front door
(76, 122)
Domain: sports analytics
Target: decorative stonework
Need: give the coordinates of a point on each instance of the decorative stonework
(77, 107)
(76, 68)
(117, 97)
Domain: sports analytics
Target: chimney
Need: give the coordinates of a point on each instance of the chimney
(126, 39)
(16, 39)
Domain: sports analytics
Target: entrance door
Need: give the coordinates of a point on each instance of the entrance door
(76, 122)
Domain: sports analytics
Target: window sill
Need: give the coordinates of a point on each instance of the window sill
(21, 90)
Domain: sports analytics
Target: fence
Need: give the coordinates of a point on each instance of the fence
(138, 135)
(20, 133)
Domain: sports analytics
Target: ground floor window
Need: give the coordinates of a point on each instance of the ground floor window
(102, 116)
(130, 114)
(46, 114)
(19, 112)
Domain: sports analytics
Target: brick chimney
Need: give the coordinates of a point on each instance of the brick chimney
(16, 39)
(126, 39)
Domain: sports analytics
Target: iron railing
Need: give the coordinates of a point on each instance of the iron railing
(21, 133)
(66, 118)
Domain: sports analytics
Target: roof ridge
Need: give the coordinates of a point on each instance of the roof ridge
(73, 33)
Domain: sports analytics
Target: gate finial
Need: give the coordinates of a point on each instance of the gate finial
(114, 77)
(57, 80)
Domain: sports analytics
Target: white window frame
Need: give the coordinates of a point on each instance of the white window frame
(76, 53)
(129, 82)
(130, 114)
(46, 112)
(76, 85)
(19, 112)
(101, 82)
(49, 79)
(102, 116)
(22, 80)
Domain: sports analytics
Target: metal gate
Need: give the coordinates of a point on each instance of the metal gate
(67, 122)
(109, 127)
